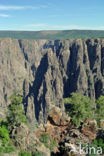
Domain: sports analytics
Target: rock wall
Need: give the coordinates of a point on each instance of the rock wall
(47, 71)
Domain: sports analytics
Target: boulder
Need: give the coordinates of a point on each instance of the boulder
(89, 129)
(57, 117)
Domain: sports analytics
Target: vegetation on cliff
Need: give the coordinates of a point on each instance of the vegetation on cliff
(82, 107)
(15, 117)
(100, 108)
(16, 113)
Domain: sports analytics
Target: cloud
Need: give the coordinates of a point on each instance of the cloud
(70, 27)
(11, 7)
(4, 7)
(44, 26)
(71, 15)
(41, 25)
(4, 15)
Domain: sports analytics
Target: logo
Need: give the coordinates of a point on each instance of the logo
(86, 149)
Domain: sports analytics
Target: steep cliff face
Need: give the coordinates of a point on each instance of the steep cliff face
(47, 71)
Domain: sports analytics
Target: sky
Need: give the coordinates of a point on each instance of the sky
(35, 15)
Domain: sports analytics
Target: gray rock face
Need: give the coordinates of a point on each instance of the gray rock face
(47, 71)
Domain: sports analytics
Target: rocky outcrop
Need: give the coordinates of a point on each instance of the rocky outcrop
(57, 122)
(69, 139)
(90, 128)
(25, 139)
(47, 71)
(58, 118)
(56, 137)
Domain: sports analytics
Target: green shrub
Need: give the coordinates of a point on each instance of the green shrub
(8, 148)
(1, 149)
(80, 108)
(37, 153)
(100, 108)
(53, 144)
(16, 113)
(22, 153)
(100, 143)
(44, 138)
(4, 134)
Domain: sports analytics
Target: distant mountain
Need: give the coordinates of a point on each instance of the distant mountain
(65, 34)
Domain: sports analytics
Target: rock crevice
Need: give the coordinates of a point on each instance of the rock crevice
(47, 71)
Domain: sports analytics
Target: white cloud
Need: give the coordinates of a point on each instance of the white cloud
(4, 15)
(11, 7)
(41, 25)
(4, 7)
(65, 27)
(44, 26)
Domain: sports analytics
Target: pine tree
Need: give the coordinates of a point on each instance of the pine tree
(100, 108)
(16, 113)
(80, 108)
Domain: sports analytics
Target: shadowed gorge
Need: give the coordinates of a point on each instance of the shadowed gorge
(48, 70)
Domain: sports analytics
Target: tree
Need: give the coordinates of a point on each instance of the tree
(80, 108)
(100, 108)
(16, 113)
(4, 134)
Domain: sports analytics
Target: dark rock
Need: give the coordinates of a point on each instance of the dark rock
(47, 71)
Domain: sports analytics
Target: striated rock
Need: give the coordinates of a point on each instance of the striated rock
(89, 129)
(47, 71)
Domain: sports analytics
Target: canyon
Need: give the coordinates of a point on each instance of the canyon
(48, 71)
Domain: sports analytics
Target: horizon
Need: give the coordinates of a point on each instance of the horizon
(37, 15)
(52, 30)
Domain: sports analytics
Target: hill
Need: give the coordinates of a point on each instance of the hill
(65, 34)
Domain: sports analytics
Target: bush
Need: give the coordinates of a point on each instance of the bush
(53, 144)
(100, 143)
(22, 153)
(100, 108)
(44, 138)
(80, 108)
(8, 148)
(16, 113)
(37, 153)
(4, 135)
